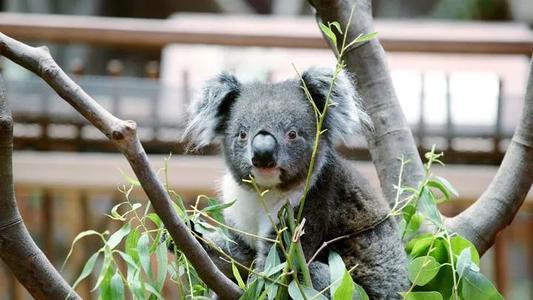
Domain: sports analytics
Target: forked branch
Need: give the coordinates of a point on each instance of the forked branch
(392, 138)
(496, 208)
(123, 134)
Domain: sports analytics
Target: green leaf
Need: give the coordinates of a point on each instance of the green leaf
(87, 269)
(155, 219)
(117, 237)
(237, 276)
(459, 244)
(428, 207)
(117, 287)
(360, 293)
(250, 292)
(275, 269)
(336, 25)
(463, 262)
(214, 205)
(366, 37)
(131, 244)
(76, 239)
(143, 249)
(329, 34)
(448, 185)
(345, 290)
(105, 287)
(128, 259)
(440, 251)
(162, 265)
(419, 245)
(422, 296)
(152, 290)
(414, 223)
(476, 286)
(408, 211)
(337, 270)
(137, 289)
(114, 212)
(105, 271)
(272, 259)
(422, 269)
(439, 186)
(310, 293)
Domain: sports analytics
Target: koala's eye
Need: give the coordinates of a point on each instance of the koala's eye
(242, 135)
(292, 135)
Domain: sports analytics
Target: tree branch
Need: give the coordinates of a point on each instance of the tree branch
(17, 249)
(123, 135)
(392, 136)
(496, 208)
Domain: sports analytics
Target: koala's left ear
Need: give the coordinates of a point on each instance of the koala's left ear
(208, 113)
(346, 116)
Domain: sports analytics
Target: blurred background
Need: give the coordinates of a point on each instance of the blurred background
(459, 67)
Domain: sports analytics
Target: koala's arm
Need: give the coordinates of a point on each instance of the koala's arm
(381, 261)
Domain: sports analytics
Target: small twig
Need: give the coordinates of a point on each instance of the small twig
(324, 245)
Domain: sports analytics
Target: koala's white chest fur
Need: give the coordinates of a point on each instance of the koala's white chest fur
(247, 213)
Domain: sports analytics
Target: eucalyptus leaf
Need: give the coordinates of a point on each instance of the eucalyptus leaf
(360, 293)
(336, 25)
(143, 249)
(87, 269)
(117, 237)
(162, 266)
(329, 34)
(422, 269)
(475, 286)
(459, 244)
(77, 238)
(346, 288)
(337, 270)
(237, 276)
(130, 246)
(428, 207)
(448, 185)
(463, 262)
(117, 287)
(310, 293)
(414, 223)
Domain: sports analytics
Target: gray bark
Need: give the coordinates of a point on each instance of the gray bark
(17, 249)
(392, 136)
(496, 208)
(123, 135)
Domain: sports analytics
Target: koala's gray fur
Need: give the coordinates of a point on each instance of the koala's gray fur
(340, 200)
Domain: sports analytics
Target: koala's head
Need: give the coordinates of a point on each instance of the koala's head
(268, 129)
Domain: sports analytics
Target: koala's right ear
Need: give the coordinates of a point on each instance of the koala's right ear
(208, 114)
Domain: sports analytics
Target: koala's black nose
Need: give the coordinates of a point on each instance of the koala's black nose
(264, 149)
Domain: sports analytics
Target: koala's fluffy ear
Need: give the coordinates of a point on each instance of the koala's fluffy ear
(346, 116)
(209, 112)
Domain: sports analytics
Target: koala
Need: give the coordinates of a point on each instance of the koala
(267, 130)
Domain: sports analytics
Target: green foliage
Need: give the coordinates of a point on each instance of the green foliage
(442, 265)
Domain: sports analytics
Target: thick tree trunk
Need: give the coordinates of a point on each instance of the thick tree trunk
(392, 137)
